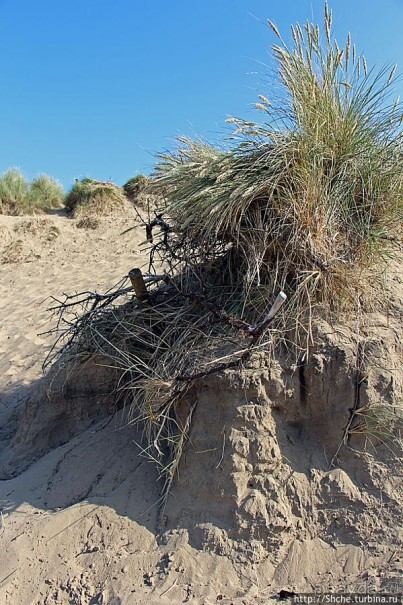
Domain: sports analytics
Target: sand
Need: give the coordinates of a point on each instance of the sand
(256, 508)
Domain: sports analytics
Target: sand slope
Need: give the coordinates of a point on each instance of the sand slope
(79, 526)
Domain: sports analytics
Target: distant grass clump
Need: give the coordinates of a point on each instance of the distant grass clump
(89, 197)
(17, 196)
(44, 194)
(135, 186)
(13, 192)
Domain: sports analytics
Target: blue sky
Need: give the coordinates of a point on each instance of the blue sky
(97, 87)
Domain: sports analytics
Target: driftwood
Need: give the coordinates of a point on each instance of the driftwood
(275, 308)
(246, 329)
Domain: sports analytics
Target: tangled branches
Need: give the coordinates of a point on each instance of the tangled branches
(161, 341)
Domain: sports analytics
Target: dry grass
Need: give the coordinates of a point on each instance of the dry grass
(88, 222)
(135, 187)
(43, 229)
(14, 252)
(97, 198)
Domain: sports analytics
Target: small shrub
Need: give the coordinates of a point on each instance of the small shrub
(13, 192)
(135, 186)
(44, 194)
(94, 197)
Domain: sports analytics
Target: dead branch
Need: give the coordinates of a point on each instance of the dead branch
(255, 332)
(158, 221)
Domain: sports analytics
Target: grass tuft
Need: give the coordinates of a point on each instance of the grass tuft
(44, 194)
(88, 222)
(17, 196)
(380, 423)
(135, 187)
(89, 197)
(310, 200)
(13, 192)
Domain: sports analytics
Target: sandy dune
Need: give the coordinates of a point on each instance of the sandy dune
(81, 525)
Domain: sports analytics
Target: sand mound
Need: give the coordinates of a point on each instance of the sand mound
(89, 198)
(26, 239)
(256, 506)
(57, 408)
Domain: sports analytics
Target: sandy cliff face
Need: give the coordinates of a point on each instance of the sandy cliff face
(270, 472)
(62, 405)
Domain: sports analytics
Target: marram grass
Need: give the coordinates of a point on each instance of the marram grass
(17, 196)
(310, 200)
(44, 194)
(135, 186)
(13, 192)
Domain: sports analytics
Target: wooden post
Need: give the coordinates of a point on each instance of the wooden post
(139, 287)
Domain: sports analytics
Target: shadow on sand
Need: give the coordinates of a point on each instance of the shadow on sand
(56, 453)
